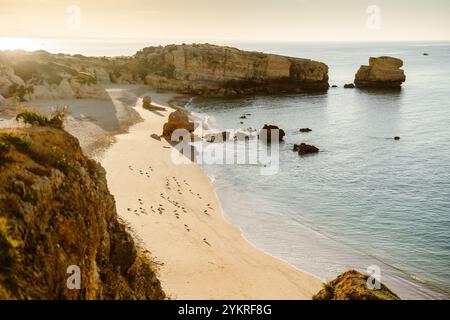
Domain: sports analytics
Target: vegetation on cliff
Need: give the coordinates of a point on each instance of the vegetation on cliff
(56, 212)
(352, 285)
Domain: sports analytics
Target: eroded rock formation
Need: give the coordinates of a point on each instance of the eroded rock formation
(178, 119)
(352, 285)
(382, 72)
(214, 70)
(56, 212)
(201, 69)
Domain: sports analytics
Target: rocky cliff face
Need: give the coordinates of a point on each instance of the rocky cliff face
(56, 212)
(382, 72)
(214, 70)
(27, 76)
(199, 69)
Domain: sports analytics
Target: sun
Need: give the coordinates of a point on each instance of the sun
(28, 44)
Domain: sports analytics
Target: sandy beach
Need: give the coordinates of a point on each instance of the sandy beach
(174, 213)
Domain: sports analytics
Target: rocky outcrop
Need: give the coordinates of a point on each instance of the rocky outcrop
(268, 132)
(57, 217)
(178, 119)
(146, 102)
(217, 71)
(382, 72)
(201, 69)
(352, 285)
(28, 76)
(304, 148)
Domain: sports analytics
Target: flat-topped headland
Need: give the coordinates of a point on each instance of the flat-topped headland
(200, 69)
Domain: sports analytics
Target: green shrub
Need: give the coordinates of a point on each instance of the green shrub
(56, 119)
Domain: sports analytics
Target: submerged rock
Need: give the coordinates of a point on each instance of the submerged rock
(352, 285)
(305, 130)
(382, 72)
(268, 130)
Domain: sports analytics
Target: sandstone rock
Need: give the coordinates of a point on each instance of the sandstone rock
(213, 70)
(305, 130)
(304, 148)
(382, 72)
(178, 119)
(267, 131)
(146, 102)
(349, 86)
(352, 285)
(63, 203)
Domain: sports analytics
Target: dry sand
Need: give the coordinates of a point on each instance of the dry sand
(175, 214)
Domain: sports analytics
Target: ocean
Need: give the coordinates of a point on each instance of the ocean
(365, 199)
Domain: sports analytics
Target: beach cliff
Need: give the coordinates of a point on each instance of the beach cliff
(58, 219)
(200, 69)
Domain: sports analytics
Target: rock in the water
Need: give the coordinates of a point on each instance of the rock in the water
(217, 137)
(382, 72)
(396, 138)
(334, 86)
(243, 117)
(178, 119)
(268, 130)
(352, 285)
(349, 86)
(305, 130)
(426, 54)
(304, 148)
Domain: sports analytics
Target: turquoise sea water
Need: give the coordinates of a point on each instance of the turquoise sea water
(365, 199)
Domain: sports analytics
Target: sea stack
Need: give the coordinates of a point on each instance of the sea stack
(382, 72)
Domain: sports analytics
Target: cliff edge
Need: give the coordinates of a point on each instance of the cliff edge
(56, 217)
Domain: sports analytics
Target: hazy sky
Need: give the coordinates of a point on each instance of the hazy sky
(286, 20)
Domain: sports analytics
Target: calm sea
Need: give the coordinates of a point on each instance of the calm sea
(365, 199)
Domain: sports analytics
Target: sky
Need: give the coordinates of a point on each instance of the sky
(241, 20)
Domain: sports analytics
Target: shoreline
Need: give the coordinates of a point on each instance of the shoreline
(175, 214)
